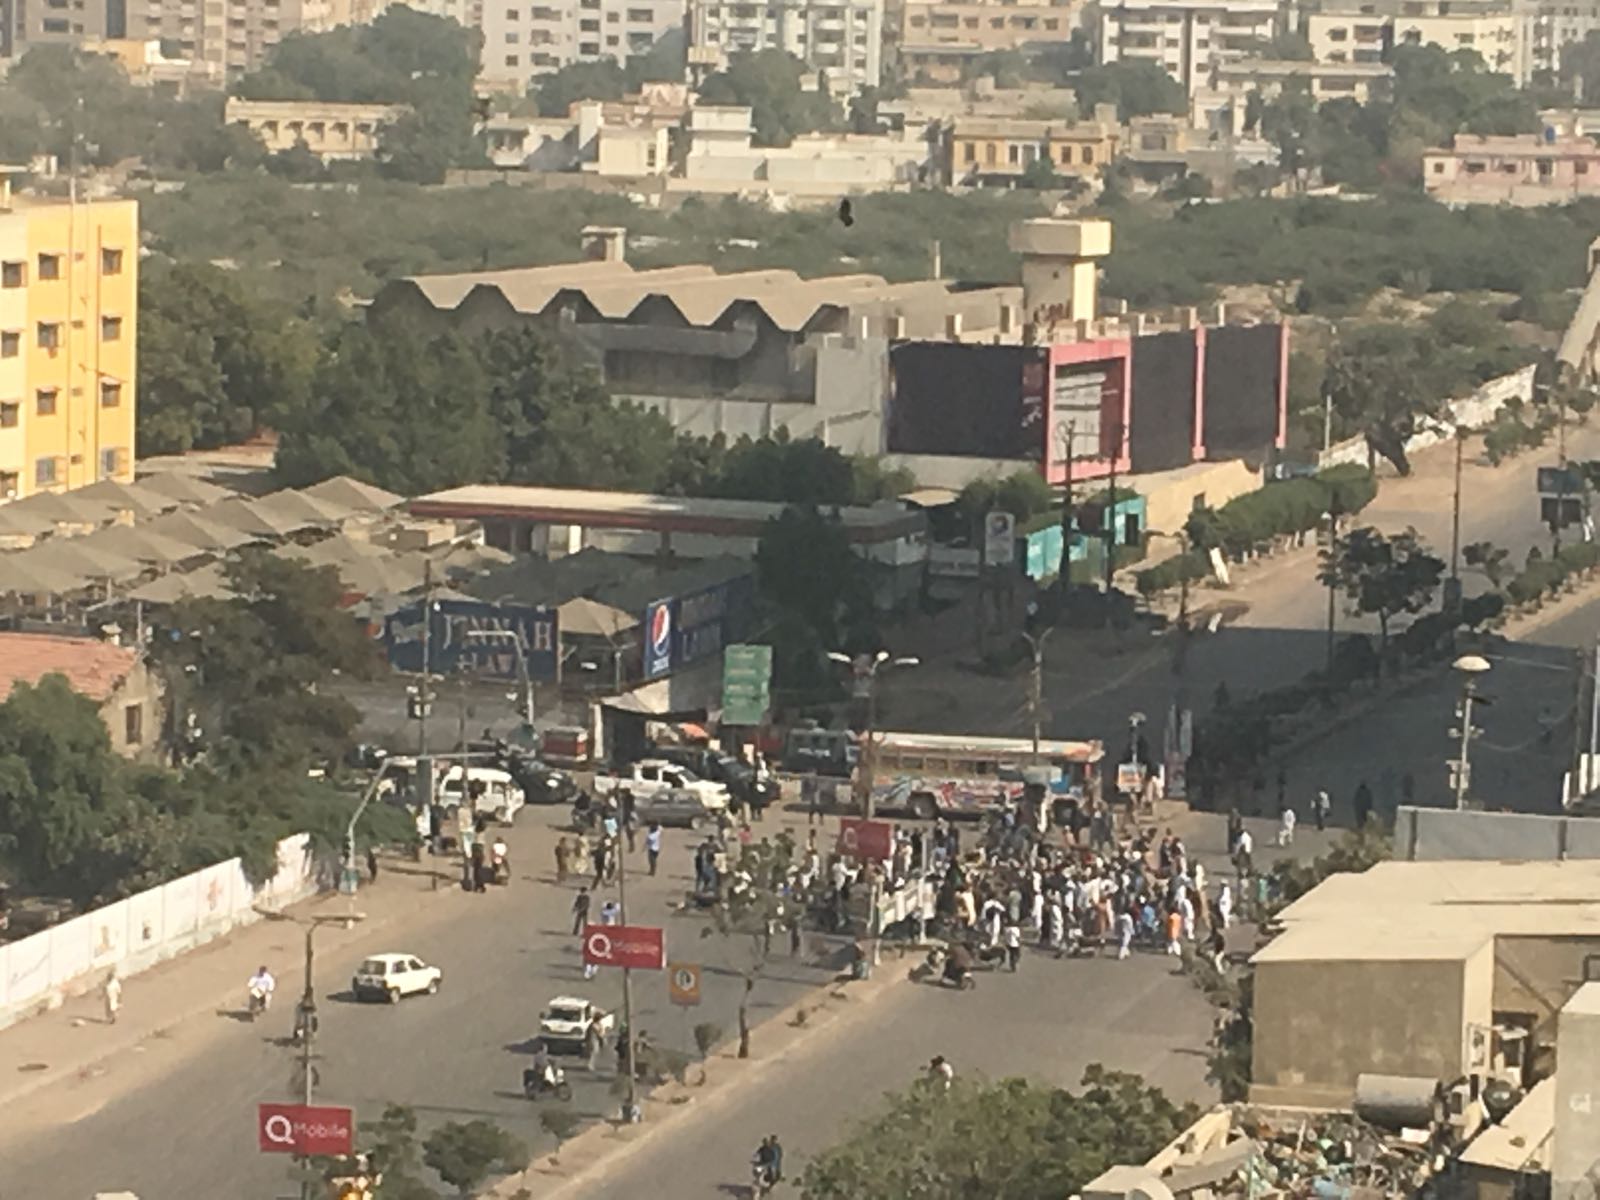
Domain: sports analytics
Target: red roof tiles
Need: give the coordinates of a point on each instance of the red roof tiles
(93, 668)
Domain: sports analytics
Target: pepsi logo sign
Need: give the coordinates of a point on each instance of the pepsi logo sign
(661, 629)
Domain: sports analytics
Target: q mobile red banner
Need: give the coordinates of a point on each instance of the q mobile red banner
(861, 838)
(305, 1129)
(641, 947)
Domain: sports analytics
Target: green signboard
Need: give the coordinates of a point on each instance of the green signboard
(746, 684)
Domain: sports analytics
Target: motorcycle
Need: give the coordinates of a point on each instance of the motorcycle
(760, 1179)
(260, 999)
(500, 869)
(536, 1085)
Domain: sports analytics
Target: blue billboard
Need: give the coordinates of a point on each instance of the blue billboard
(452, 648)
(660, 629)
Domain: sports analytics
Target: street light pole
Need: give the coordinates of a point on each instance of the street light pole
(1471, 666)
(631, 1098)
(307, 1020)
(1035, 700)
(866, 764)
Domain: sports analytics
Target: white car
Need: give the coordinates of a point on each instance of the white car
(656, 776)
(393, 976)
(573, 1025)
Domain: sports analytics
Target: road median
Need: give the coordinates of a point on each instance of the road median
(587, 1158)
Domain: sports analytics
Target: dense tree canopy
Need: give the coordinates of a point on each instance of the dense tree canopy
(217, 362)
(769, 82)
(402, 57)
(1015, 1138)
(1138, 89)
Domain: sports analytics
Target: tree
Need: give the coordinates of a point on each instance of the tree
(785, 469)
(1381, 379)
(1382, 576)
(1014, 1138)
(1488, 558)
(876, 480)
(400, 408)
(768, 81)
(1040, 175)
(216, 363)
(1023, 494)
(558, 91)
(466, 1153)
(1138, 89)
(251, 668)
(559, 1123)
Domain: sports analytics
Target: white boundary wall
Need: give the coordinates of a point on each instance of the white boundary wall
(132, 935)
(1472, 412)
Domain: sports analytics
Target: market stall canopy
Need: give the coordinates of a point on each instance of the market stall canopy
(582, 617)
(71, 556)
(333, 551)
(188, 489)
(61, 508)
(297, 506)
(36, 579)
(143, 545)
(262, 523)
(198, 531)
(128, 497)
(208, 583)
(354, 495)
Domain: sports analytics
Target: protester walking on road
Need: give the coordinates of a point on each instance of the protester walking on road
(1286, 820)
(580, 911)
(652, 844)
(1363, 804)
(1322, 805)
(1013, 939)
(561, 859)
(1241, 855)
(1224, 906)
(112, 994)
(372, 865)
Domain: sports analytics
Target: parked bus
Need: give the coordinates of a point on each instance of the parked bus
(929, 775)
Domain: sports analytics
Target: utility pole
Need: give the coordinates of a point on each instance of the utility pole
(1561, 459)
(1453, 591)
(1064, 571)
(1470, 666)
(306, 1018)
(630, 1102)
(1036, 693)
(1111, 512)
(425, 693)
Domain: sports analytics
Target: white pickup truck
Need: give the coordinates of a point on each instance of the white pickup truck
(649, 777)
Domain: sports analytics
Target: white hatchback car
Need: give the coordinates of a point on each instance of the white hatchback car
(391, 976)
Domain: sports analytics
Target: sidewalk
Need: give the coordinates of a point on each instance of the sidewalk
(74, 1041)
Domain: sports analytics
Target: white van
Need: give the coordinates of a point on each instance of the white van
(490, 789)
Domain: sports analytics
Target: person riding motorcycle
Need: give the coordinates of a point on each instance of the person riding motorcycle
(767, 1162)
(260, 988)
(542, 1064)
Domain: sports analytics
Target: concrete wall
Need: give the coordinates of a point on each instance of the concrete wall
(1170, 496)
(142, 689)
(1318, 1025)
(135, 934)
(1470, 412)
(1575, 1151)
(1432, 834)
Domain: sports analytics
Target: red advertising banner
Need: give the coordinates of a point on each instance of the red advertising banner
(642, 947)
(861, 838)
(305, 1129)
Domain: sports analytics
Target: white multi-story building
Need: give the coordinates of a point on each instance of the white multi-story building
(840, 39)
(1367, 31)
(523, 40)
(1545, 28)
(1186, 38)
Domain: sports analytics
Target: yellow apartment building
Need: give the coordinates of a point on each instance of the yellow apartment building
(998, 150)
(68, 341)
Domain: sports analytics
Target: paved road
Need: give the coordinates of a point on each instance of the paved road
(1048, 1022)
(1093, 682)
(177, 1121)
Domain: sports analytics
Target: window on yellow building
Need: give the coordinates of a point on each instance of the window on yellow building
(10, 344)
(49, 335)
(111, 262)
(1088, 154)
(44, 472)
(10, 414)
(110, 329)
(133, 724)
(49, 266)
(112, 461)
(110, 393)
(44, 402)
(970, 153)
(13, 274)
(989, 153)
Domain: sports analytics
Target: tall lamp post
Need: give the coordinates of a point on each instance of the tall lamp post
(1036, 643)
(306, 1016)
(869, 666)
(1471, 666)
